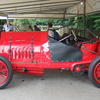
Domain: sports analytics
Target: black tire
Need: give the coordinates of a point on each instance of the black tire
(92, 72)
(4, 61)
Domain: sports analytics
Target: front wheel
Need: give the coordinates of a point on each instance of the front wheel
(6, 72)
(94, 72)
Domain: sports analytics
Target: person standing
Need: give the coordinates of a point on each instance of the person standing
(50, 30)
(30, 28)
(8, 27)
(36, 28)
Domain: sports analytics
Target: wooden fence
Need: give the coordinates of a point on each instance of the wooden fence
(1, 27)
(88, 34)
(78, 32)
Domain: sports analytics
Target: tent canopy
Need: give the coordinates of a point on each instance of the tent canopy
(48, 9)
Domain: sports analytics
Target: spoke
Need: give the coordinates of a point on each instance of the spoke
(98, 75)
(1, 79)
(4, 76)
(3, 69)
(3, 72)
(97, 72)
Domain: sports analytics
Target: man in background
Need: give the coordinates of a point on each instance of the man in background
(30, 28)
(36, 28)
(50, 30)
(8, 27)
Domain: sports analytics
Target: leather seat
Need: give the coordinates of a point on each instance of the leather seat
(88, 46)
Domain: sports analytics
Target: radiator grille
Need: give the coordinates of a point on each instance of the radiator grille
(21, 53)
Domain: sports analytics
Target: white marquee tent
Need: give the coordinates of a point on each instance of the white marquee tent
(48, 9)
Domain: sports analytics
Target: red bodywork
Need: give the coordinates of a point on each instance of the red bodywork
(29, 53)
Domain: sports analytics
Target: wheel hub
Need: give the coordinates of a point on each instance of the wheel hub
(78, 70)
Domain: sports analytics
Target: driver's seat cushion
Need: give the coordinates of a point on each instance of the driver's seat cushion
(79, 44)
(88, 45)
(98, 48)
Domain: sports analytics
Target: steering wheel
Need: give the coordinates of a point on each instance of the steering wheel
(68, 36)
(73, 33)
(65, 37)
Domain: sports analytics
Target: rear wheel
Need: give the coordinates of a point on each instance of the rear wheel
(94, 72)
(6, 72)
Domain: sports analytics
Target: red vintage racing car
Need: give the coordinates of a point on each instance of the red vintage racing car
(33, 52)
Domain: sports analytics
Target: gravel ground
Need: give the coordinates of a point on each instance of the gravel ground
(54, 85)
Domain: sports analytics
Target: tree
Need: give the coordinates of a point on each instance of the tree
(92, 22)
(97, 25)
(2, 21)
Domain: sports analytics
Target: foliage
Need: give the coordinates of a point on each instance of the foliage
(3, 21)
(78, 22)
(97, 25)
(92, 22)
(40, 22)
